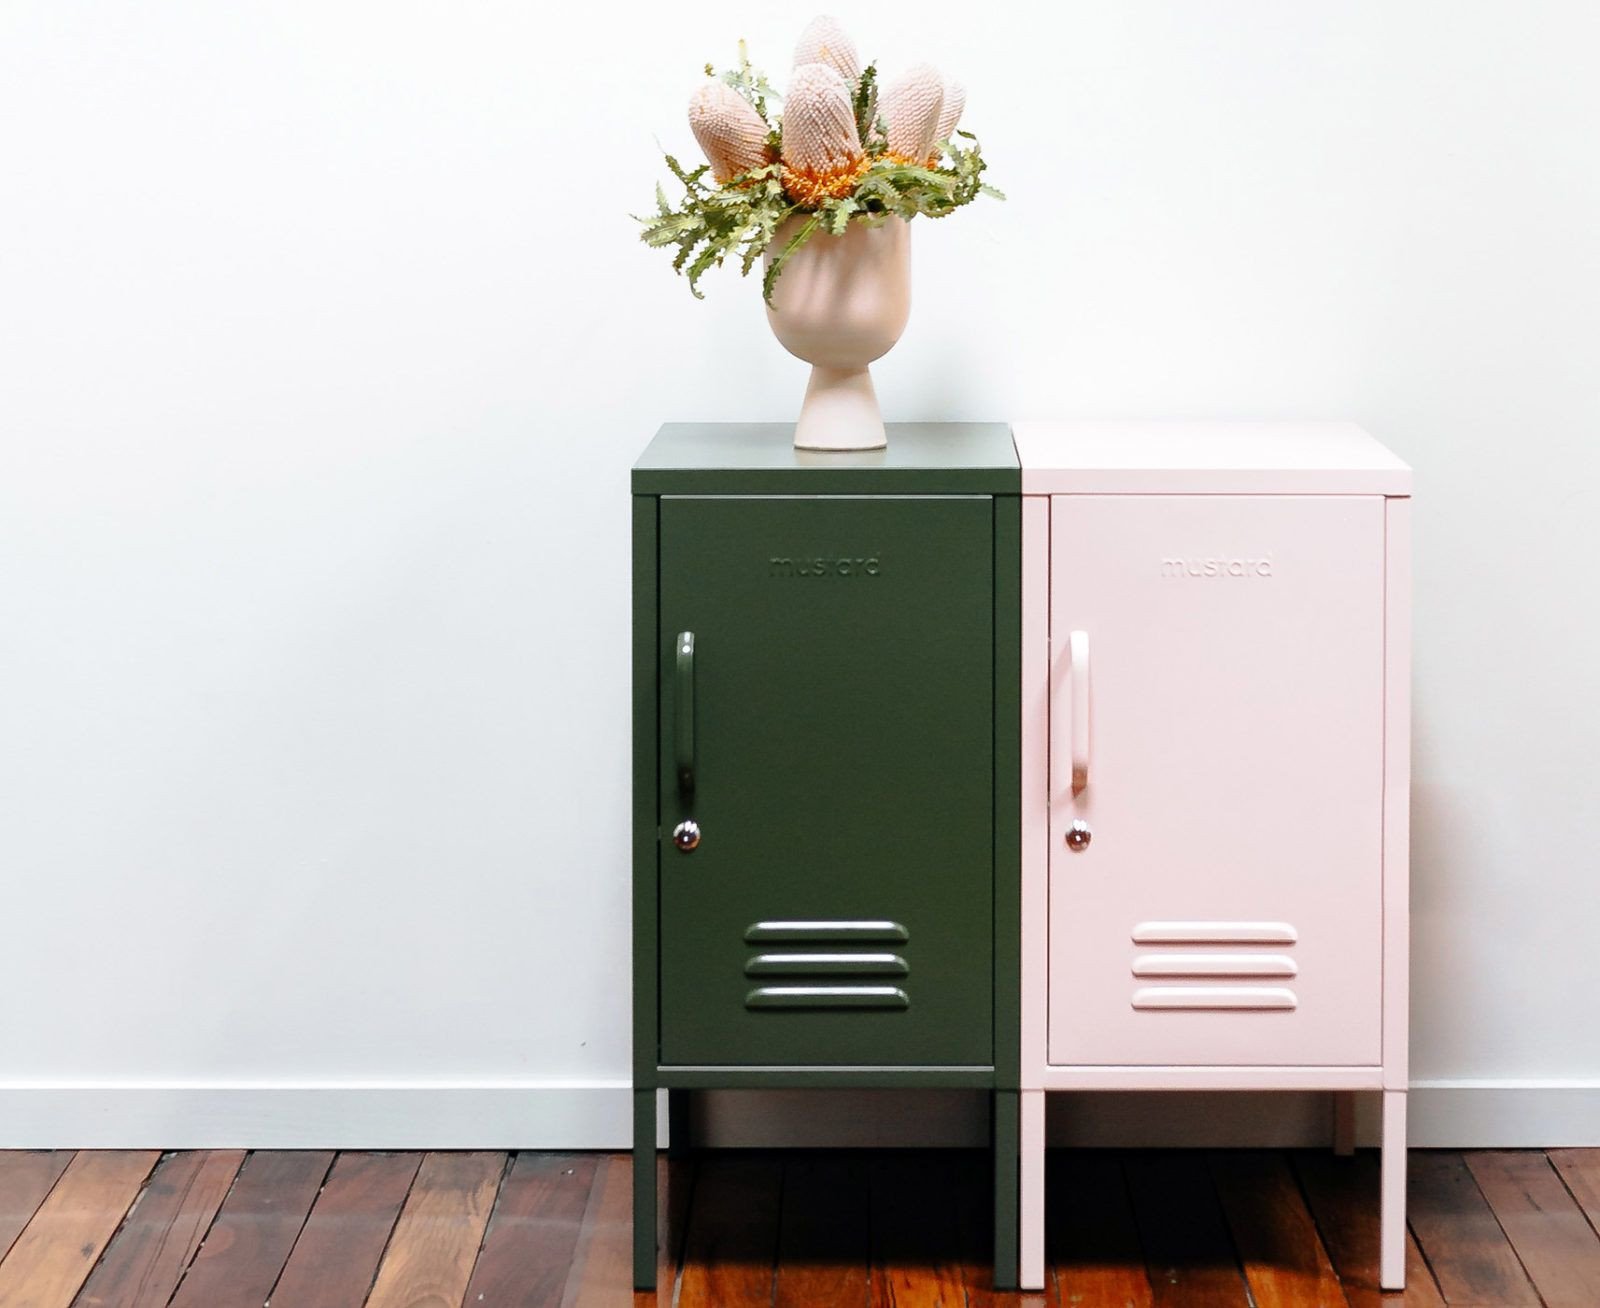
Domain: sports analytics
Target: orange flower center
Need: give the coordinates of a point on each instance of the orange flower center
(811, 186)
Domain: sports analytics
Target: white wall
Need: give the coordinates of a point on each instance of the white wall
(325, 345)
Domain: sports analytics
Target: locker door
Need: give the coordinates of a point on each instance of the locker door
(1216, 720)
(839, 906)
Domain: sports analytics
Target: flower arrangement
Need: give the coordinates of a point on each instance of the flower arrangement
(837, 153)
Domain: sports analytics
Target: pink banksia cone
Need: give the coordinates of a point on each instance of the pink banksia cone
(728, 129)
(911, 108)
(955, 100)
(822, 153)
(824, 42)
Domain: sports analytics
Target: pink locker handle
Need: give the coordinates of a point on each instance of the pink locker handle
(1078, 687)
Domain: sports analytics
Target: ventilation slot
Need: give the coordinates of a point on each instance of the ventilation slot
(821, 933)
(1159, 998)
(890, 997)
(1176, 965)
(827, 965)
(1214, 933)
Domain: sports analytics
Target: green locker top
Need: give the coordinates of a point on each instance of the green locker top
(759, 458)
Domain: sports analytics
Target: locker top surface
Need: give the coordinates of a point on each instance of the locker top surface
(1210, 458)
(759, 458)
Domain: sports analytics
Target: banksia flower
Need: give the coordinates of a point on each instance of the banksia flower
(837, 151)
(729, 131)
(824, 42)
(822, 152)
(955, 100)
(911, 108)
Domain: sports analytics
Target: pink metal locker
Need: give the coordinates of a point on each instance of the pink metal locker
(1216, 700)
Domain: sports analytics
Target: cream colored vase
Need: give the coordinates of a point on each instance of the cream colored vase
(840, 303)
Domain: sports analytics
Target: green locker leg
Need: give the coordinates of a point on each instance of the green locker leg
(679, 1137)
(644, 1189)
(1007, 1152)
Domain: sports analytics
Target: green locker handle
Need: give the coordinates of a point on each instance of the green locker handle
(683, 733)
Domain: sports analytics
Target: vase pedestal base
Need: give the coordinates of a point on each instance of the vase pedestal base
(840, 412)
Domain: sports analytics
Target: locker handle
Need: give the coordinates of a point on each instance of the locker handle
(683, 714)
(1078, 686)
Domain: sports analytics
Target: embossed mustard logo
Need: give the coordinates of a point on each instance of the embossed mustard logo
(825, 566)
(1217, 567)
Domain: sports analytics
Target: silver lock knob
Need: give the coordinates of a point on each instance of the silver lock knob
(686, 835)
(1078, 837)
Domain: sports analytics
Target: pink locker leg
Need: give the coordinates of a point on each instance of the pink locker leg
(1344, 1122)
(1392, 1218)
(1030, 1270)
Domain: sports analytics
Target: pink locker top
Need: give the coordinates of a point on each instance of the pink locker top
(1210, 457)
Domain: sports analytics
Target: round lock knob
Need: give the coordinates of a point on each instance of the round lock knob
(686, 835)
(1078, 837)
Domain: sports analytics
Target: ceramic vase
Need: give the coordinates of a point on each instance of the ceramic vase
(840, 303)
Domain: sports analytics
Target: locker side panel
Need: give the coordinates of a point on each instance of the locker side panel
(1397, 795)
(1035, 793)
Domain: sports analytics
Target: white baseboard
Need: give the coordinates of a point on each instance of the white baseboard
(1504, 1114)
(334, 1115)
(597, 1115)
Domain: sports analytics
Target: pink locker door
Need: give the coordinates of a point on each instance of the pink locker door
(1224, 655)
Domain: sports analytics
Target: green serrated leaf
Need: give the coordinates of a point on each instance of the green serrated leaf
(865, 103)
(776, 266)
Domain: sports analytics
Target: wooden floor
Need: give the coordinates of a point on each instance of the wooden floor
(140, 1229)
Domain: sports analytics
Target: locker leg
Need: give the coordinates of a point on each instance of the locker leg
(644, 1189)
(1392, 1205)
(1344, 1122)
(1031, 1224)
(1006, 1146)
(680, 1138)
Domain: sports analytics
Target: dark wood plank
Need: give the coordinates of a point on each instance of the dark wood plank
(528, 1251)
(1284, 1262)
(823, 1248)
(336, 1257)
(254, 1230)
(731, 1253)
(1187, 1251)
(1558, 1248)
(162, 1232)
(436, 1239)
(787, 1232)
(1091, 1241)
(1580, 1170)
(1466, 1248)
(25, 1179)
(916, 1260)
(1343, 1197)
(602, 1273)
(49, 1261)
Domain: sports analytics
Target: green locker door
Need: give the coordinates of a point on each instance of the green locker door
(838, 908)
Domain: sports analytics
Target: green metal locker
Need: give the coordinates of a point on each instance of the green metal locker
(826, 718)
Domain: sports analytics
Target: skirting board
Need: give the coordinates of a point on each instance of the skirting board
(335, 1115)
(1459, 1114)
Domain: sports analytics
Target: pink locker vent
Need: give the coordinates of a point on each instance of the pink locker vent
(1198, 973)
